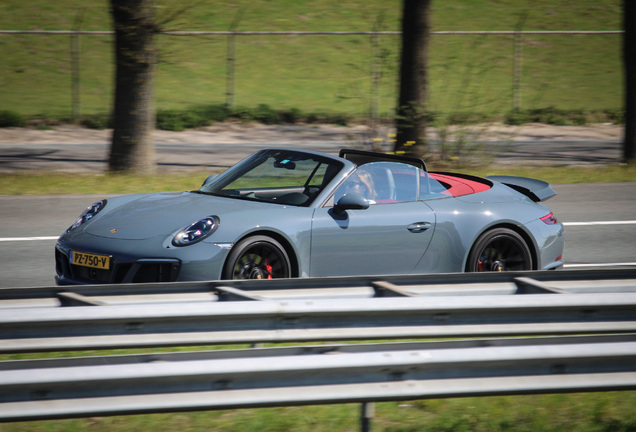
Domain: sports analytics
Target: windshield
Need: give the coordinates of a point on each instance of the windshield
(278, 176)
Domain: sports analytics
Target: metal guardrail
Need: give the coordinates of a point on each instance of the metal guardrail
(49, 389)
(128, 326)
(453, 284)
(383, 309)
(598, 304)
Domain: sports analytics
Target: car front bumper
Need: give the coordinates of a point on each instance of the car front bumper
(137, 262)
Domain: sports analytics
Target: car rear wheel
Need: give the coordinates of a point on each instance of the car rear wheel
(500, 249)
(257, 257)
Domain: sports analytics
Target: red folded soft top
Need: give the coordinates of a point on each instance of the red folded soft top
(458, 185)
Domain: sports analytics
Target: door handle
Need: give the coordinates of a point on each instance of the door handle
(419, 226)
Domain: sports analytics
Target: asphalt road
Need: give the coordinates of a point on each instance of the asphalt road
(185, 156)
(600, 229)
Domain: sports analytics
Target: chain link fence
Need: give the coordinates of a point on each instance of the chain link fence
(71, 71)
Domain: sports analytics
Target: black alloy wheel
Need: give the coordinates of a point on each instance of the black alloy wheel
(257, 257)
(500, 249)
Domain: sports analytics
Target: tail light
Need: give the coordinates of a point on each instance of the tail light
(549, 219)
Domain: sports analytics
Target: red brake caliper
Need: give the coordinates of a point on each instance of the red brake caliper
(269, 269)
(480, 266)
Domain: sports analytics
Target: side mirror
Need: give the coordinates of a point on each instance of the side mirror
(351, 201)
(209, 179)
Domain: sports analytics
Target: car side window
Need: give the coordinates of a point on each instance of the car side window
(383, 182)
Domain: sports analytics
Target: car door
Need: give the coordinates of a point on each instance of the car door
(382, 239)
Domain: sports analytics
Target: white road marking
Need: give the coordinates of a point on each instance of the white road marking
(20, 239)
(600, 265)
(632, 222)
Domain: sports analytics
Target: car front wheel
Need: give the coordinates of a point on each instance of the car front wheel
(500, 249)
(257, 257)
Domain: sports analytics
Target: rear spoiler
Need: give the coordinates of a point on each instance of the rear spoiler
(536, 190)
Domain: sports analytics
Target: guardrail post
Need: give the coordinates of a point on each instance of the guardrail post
(367, 411)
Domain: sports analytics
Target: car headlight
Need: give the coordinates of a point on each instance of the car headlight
(196, 231)
(88, 214)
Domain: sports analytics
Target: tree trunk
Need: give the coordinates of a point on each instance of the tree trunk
(629, 61)
(411, 114)
(132, 149)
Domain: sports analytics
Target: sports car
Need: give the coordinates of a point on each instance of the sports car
(284, 213)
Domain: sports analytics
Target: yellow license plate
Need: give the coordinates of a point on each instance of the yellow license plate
(90, 260)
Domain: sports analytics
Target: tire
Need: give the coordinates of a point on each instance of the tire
(257, 257)
(500, 249)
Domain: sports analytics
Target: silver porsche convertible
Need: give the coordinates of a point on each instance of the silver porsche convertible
(284, 213)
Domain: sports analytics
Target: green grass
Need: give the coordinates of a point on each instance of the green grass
(564, 175)
(321, 73)
(55, 183)
(593, 412)
(577, 412)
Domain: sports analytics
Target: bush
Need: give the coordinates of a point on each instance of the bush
(242, 113)
(559, 117)
(515, 118)
(555, 116)
(213, 113)
(293, 115)
(337, 119)
(193, 119)
(265, 114)
(11, 119)
(577, 118)
(96, 121)
(169, 120)
(174, 120)
(459, 118)
(616, 116)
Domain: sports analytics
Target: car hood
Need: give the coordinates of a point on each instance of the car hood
(161, 214)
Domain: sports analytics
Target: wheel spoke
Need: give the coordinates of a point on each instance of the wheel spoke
(258, 257)
(504, 248)
(503, 252)
(259, 262)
